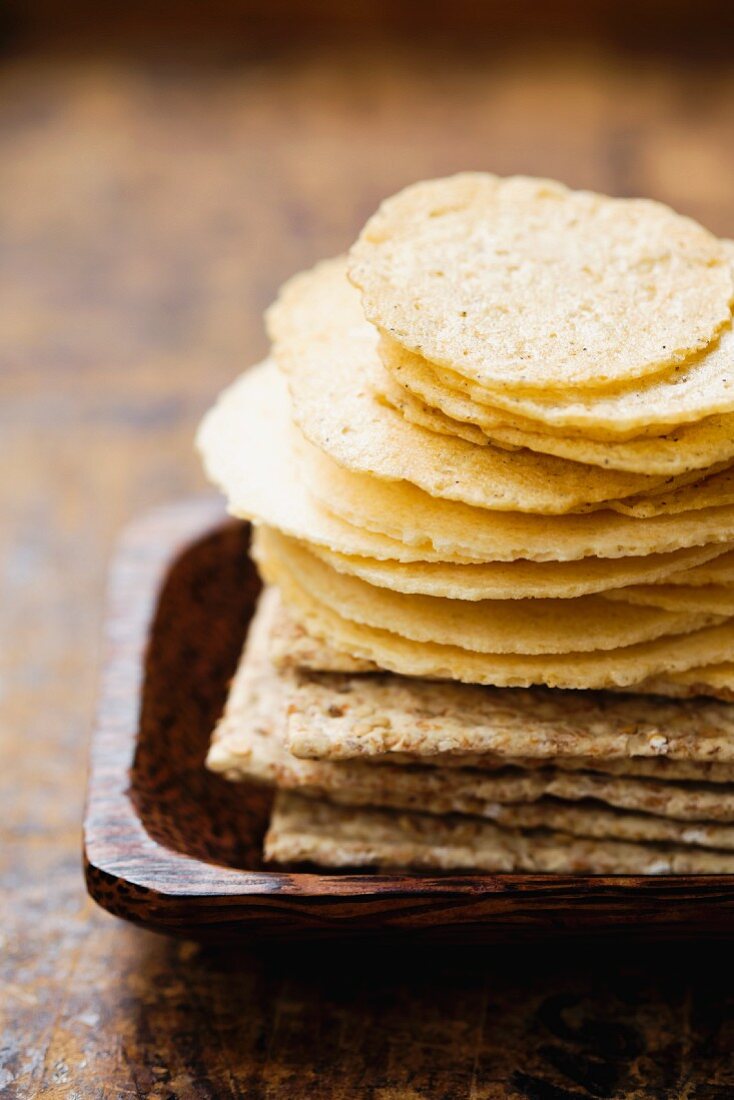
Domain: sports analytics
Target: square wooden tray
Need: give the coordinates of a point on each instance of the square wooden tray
(177, 849)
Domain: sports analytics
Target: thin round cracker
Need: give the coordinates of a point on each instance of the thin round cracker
(328, 352)
(246, 444)
(615, 668)
(690, 448)
(521, 283)
(715, 571)
(516, 580)
(702, 387)
(489, 626)
(412, 517)
(712, 598)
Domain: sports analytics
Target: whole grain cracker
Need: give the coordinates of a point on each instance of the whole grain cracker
(304, 830)
(487, 626)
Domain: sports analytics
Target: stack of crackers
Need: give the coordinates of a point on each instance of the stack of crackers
(491, 467)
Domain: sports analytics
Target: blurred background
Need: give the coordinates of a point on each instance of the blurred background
(163, 167)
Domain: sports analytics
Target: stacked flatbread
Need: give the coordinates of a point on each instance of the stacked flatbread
(490, 465)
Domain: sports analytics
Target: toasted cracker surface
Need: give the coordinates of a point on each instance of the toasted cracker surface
(310, 831)
(693, 447)
(408, 515)
(329, 354)
(380, 715)
(522, 284)
(517, 579)
(486, 626)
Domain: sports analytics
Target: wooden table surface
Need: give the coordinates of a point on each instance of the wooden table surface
(151, 200)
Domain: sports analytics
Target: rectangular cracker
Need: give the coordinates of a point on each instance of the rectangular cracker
(303, 830)
(249, 743)
(342, 716)
(408, 720)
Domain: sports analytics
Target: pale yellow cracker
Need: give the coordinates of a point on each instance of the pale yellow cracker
(410, 516)
(689, 448)
(246, 443)
(599, 669)
(704, 598)
(516, 579)
(713, 679)
(305, 830)
(293, 648)
(487, 626)
(329, 354)
(522, 284)
(701, 390)
(719, 570)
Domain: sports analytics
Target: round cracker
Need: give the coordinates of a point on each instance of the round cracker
(715, 571)
(712, 598)
(523, 284)
(700, 387)
(690, 448)
(516, 580)
(412, 517)
(328, 352)
(246, 445)
(596, 670)
(489, 626)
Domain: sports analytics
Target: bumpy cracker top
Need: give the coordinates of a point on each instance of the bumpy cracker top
(245, 441)
(487, 626)
(422, 399)
(329, 354)
(304, 830)
(413, 518)
(523, 284)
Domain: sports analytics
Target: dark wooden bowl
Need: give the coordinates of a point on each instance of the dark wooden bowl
(177, 849)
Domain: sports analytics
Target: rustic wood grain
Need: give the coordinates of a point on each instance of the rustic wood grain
(152, 195)
(177, 849)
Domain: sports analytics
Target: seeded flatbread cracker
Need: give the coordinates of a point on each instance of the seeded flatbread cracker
(486, 626)
(246, 443)
(304, 830)
(249, 744)
(341, 717)
(410, 516)
(523, 284)
(329, 354)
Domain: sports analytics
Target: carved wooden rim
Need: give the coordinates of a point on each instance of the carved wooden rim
(133, 875)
